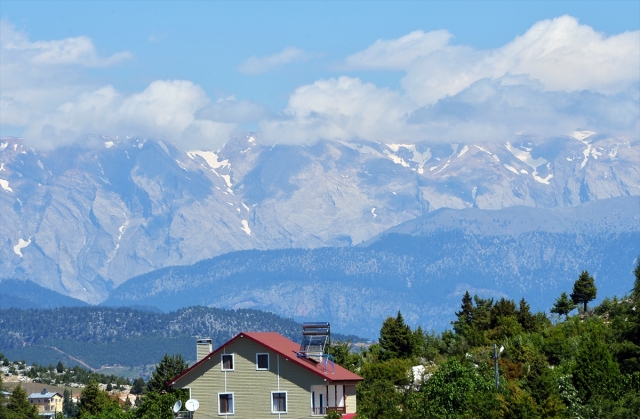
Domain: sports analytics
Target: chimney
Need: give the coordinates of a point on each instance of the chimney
(203, 348)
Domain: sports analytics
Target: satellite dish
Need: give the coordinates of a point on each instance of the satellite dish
(176, 406)
(192, 405)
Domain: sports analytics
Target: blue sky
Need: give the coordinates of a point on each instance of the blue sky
(197, 72)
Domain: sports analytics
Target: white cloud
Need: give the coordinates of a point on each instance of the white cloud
(398, 54)
(37, 76)
(79, 50)
(557, 77)
(341, 109)
(165, 109)
(562, 54)
(259, 65)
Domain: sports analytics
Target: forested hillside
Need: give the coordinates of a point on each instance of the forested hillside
(124, 336)
(581, 362)
(424, 276)
(576, 364)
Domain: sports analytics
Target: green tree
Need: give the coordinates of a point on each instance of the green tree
(93, 400)
(19, 407)
(138, 386)
(563, 305)
(584, 290)
(595, 372)
(166, 370)
(525, 318)
(343, 355)
(69, 408)
(110, 412)
(465, 315)
(60, 367)
(396, 339)
(458, 390)
(156, 406)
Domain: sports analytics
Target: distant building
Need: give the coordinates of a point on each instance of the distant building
(262, 374)
(49, 403)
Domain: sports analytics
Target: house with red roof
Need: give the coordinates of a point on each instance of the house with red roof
(263, 374)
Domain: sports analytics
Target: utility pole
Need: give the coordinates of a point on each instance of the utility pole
(495, 359)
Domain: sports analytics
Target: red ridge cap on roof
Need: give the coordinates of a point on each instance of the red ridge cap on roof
(287, 348)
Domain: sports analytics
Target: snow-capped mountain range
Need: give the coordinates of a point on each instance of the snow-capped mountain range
(84, 219)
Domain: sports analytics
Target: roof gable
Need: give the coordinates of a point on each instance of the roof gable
(284, 347)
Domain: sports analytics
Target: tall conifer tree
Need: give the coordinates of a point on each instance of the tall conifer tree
(584, 290)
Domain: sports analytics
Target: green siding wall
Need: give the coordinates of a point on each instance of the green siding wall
(252, 389)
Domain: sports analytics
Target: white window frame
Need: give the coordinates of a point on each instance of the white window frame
(233, 362)
(233, 404)
(286, 402)
(268, 360)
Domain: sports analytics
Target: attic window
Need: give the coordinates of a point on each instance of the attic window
(227, 362)
(262, 361)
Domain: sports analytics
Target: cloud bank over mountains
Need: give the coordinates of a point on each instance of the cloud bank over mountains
(557, 77)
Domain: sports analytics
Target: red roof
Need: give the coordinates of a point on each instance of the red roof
(287, 348)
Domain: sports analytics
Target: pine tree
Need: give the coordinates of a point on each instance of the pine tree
(502, 308)
(563, 305)
(595, 372)
(138, 386)
(168, 369)
(93, 400)
(396, 339)
(69, 408)
(465, 315)
(60, 367)
(584, 290)
(19, 405)
(525, 318)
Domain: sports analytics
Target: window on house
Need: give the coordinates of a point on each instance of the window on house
(278, 402)
(227, 362)
(225, 403)
(262, 361)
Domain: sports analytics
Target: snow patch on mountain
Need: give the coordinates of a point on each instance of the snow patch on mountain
(212, 159)
(512, 169)
(5, 185)
(525, 156)
(21, 245)
(581, 135)
(245, 227)
(164, 147)
(464, 150)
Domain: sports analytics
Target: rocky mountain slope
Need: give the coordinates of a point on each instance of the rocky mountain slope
(422, 267)
(82, 220)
